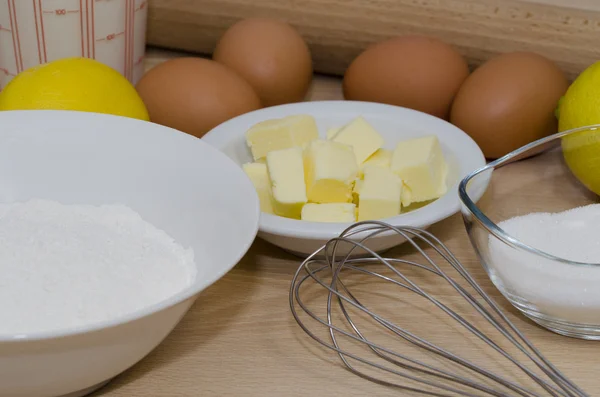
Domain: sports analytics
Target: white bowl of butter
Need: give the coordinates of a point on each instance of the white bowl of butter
(319, 167)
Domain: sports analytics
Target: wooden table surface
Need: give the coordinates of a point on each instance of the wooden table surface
(240, 338)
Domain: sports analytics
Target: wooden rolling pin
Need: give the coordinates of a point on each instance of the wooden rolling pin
(566, 31)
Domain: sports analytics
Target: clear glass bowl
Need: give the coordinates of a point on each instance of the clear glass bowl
(547, 266)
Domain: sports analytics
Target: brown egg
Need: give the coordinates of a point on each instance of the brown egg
(509, 102)
(195, 95)
(416, 72)
(271, 56)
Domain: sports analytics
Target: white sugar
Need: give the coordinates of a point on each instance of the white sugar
(568, 292)
(64, 266)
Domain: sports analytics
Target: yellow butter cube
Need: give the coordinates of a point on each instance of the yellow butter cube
(330, 169)
(406, 196)
(421, 165)
(331, 132)
(329, 212)
(283, 133)
(356, 191)
(286, 173)
(258, 174)
(362, 137)
(381, 158)
(379, 193)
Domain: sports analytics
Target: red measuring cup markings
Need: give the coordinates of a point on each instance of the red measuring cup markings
(39, 31)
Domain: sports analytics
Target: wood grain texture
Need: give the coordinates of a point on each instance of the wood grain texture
(240, 338)
(566, 31)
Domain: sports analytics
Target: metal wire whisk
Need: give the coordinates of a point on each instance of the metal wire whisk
(449, 374)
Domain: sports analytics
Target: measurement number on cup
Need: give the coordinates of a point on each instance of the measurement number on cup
(61, 11)
(111, 37)
(6, 72)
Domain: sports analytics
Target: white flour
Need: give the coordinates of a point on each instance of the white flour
(65, 266)
(567, 292)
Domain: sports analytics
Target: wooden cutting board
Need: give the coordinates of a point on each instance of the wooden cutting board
(566, 31)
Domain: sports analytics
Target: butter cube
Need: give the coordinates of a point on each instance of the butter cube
(380, 194)
(421, 165)
(283, 133)
(332, 132)
(286, 172)
(362, 137)
(329, 212)
(329, 170)
(258, 174)
(356, 191)
(381, 158)
(406, 196)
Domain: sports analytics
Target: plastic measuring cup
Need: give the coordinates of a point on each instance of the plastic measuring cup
(39, 31)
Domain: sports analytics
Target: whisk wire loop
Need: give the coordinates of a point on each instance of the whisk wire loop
(410, 370)
(410, 337)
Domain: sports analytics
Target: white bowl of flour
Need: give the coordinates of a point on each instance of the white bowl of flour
(109, 229)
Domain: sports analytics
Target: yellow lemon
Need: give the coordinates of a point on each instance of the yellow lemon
(80, 84)
(580, 107)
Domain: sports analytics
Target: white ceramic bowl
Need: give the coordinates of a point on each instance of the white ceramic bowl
(175, 181)
(394, 123)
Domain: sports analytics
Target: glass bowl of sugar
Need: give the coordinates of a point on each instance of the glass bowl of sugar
(536, 229)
